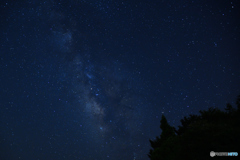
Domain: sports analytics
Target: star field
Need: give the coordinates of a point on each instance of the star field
(90, 79)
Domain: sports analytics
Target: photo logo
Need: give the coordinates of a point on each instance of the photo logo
(212, 154)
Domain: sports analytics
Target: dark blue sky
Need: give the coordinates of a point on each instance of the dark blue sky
(90, 79)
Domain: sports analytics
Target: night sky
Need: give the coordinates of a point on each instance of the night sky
(90, 79)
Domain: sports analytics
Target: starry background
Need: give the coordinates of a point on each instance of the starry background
(90, 79)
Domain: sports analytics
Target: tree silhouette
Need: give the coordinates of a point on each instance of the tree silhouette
(167, 130)
(212, 130)
(163, 146)
(229, 108)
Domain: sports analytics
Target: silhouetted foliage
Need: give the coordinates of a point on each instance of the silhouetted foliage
(167, 130)
(186, 121)
(229, 108)
(212, 130)
(162, 146)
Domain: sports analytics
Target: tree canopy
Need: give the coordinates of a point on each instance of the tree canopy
(198, 135)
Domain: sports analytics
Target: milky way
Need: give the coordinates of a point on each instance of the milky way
(110, 107)
(107, 95)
